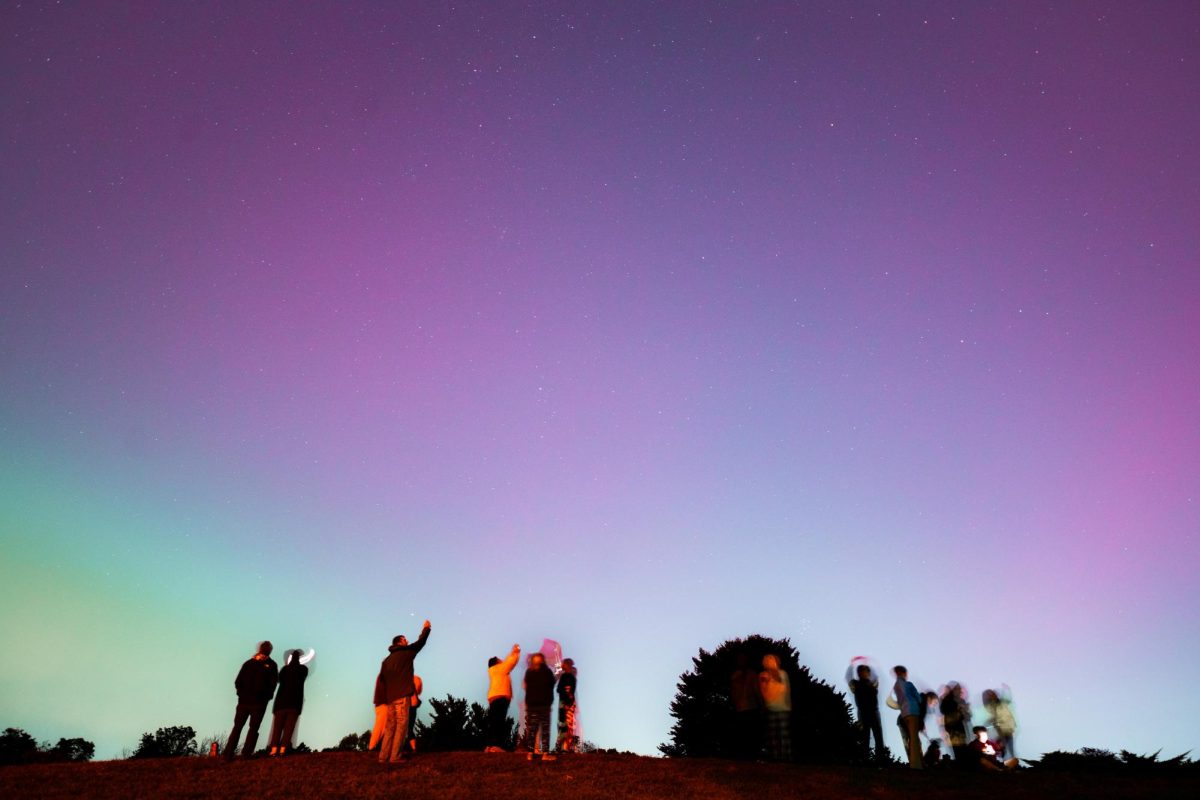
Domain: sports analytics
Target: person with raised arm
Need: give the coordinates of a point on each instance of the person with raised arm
(499, 698)
(396, 688)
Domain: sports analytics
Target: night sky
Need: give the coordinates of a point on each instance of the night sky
(638, 326)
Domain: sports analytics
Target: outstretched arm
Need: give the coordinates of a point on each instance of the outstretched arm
(513, 657)
(416, 648)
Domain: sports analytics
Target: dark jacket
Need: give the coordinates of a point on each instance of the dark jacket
(539, 686)
(291, 687)
(255, 682)
(566, 689)
(396, 672)
(866, 697)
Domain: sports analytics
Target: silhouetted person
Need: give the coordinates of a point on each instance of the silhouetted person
(929, 702)
(499, 699)
(289, 701)
(989, 755)
(255, 684)
(912, 712)
(747, 708)
(414, 703)
(538, 685)
(954, 723)
(865, 688)
(776, 692)
(1002, 720)
(567, 684)
(396, 689)
(381, 708)
(933, 753)
(539, 696)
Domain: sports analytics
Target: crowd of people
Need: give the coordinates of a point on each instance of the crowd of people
(398, 695)
(762, 702)
(952, 712)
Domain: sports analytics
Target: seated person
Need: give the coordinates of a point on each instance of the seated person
(988, 752)
(933, 754)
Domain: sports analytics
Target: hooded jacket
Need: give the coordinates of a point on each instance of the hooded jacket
(255, 681)
(396, 671)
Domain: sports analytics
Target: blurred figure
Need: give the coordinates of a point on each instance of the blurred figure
(1000, 717)
(499, 698)
(929, 702)
(933, 753)
(989, 754)
(953, 721)
(289, 701)
(380, 714)
(255, 684)
(414, 703)
(865, 688)
(776, 691)
(567, 685)
(539, 697)
(396, 688)
(747, 709)
(912, 712)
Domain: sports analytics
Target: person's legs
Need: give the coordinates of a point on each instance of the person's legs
(290, 717)
(276, 729)
(1010, 746)
(876, 729)
(912, 725)
(497, 721)
(240, 715)
(380, 722)
(566, 729)
(544, 729)
(773, 747)
(537, 728)
(399, 711)
(783, 734)
(389, 734)
(257, 712)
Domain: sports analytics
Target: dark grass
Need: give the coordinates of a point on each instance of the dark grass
(440, 776)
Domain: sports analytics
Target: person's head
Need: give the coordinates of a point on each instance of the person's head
(900, 671)
(401, 640)
(265, 648)
(980, 733)
(295, 656)
(770, 661)
(568, 665)
(864, 672)
(931, 698)
(418, 684)
(537, 661)
(989, 697)
(493, 661)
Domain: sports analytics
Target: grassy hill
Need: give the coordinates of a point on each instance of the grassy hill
(440, 776)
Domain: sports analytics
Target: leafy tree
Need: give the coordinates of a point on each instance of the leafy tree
(178, 740)
(1094, 759)
(17, 747)
(823, 730)
(455, 725)
(353, 742)
(72, 750)
(458, 725)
